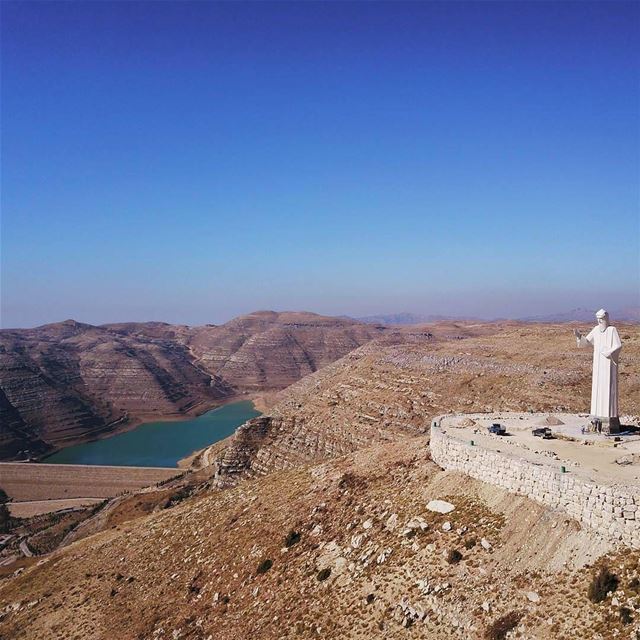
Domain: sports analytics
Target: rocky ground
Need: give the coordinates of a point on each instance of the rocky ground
(343, 549)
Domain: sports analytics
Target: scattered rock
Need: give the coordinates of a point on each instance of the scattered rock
(440, 506)
(485, 544)
(417, 523)
(356, 541)
(384, 555)
(446, 526)
(532, 596)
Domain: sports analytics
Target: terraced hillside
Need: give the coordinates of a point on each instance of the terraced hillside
(388, 389)
(70, 382)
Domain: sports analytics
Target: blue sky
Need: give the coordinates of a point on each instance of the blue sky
(189, 162)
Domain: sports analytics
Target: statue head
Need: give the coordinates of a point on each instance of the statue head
(603, 319)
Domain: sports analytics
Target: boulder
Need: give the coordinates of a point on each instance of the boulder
(440, 506)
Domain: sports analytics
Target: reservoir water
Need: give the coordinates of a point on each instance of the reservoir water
(159, 444)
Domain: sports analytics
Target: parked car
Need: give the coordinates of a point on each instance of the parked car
(543, 432)
(497, 428)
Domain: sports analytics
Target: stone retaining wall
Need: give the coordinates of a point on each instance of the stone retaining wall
(610, 510)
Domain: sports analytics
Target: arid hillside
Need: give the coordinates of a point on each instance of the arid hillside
(344, 550)
(382, 391)
(69, 382)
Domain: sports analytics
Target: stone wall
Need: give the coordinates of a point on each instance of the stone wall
(610, 510)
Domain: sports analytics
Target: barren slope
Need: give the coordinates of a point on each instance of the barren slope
(366, 559)
(267, 350)
(335, 459)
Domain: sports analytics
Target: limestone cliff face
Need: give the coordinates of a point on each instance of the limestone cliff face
(325, 415)
(69, 382)
(270, 443)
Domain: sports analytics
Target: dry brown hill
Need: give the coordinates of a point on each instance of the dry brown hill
(322, 528)
(342, 550)
(266, 350)
(69, 382)
(383, 390)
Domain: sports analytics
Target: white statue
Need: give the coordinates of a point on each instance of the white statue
(604, 387)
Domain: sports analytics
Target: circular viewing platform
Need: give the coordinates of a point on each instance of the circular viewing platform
(592, 477)
(594, 456)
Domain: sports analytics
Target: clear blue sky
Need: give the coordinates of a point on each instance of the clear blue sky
(189, 162)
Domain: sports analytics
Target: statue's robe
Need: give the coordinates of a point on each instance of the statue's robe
(604, 386)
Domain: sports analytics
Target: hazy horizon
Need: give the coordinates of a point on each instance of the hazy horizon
(223, 319)
(189, 162)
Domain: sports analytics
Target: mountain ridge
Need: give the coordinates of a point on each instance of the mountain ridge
(68, 382)
(579, 314)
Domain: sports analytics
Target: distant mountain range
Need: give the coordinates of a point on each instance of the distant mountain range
(407, 318)
(628, 314)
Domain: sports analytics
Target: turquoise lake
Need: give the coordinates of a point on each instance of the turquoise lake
(159, 444)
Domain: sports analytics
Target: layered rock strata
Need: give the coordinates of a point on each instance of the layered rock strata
(69, 382)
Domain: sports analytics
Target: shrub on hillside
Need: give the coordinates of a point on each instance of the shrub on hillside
(603, 582)
(179, 495)
(293, 537)
(6, 521)
(469, 543)
(323, 574)
(453, 556)
(500, 627)
(625, 615)
(264, 566)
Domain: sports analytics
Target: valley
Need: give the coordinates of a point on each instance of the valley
(69, 382)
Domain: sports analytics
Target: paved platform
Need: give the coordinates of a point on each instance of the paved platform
(590, 455)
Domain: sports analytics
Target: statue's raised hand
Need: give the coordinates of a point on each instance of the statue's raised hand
(577, 334)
